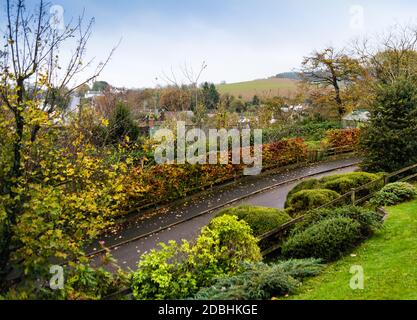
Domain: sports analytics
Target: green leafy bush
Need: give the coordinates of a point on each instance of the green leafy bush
(394, 193)
(328, 239)
(344, 183)
(260, 219)
(179, 271)
(261, 281)
(82, 282)
(311, 199)
(369, 220)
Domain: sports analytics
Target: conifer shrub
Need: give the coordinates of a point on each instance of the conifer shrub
(262, 281)
(369, 220)
(328, 239)
(394, 193)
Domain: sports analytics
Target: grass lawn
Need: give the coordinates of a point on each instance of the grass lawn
(389, 260)
(264, 87)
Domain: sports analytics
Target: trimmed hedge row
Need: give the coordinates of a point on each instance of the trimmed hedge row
(310, 199)
(312, 190)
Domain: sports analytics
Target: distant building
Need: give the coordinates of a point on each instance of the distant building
(356, 119)
(93, 94)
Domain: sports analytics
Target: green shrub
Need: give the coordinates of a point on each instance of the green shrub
(311, 199)
(260, 219)
(328, 239)
(308, 184)
(230, 241)
(369, 220)
(179, 271)
(344, 183)
(394, 193)
(262, 281)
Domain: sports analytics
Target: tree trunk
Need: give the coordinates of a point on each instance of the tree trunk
(338, 99)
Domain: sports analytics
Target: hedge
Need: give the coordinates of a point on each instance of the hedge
(343, 138)
(260, 219)
(344, 183)
(305, 185)
(306, 200)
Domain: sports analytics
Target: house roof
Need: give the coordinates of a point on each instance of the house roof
(358, 115)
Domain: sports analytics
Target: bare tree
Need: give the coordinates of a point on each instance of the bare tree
(389, 55)
(190, 76)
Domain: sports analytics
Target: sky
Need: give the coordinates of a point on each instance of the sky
(239, 40)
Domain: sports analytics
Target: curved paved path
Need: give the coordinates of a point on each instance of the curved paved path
(129, 253)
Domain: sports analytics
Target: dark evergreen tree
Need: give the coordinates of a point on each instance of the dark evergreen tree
(211, 96)
(121, 124)
(256, 101)
(390, 141)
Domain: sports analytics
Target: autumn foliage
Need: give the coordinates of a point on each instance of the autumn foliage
(343, 138)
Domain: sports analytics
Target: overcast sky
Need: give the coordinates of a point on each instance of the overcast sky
(239, 39)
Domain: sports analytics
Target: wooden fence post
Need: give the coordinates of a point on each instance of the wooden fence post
(353, 197)
(386, 179)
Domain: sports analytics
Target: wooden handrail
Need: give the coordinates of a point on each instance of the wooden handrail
(291, 223)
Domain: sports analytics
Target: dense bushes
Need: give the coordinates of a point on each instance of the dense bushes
(260, 219)
(309, 130)
(179, 271)
(328, 239)
(394, 193)
(262, 281)
(310, 199)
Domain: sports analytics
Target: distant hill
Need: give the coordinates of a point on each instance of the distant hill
(262, 88)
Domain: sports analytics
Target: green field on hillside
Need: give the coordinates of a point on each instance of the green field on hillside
(389, 261)
(262, 88)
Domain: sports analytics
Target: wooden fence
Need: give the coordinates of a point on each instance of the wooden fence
(273, 240)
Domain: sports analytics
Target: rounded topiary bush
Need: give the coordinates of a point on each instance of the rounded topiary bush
(344, 183)
(328, 239)
(394, 193)
(260, 219)
(369, 220)
(305, 185)
(311, 199)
